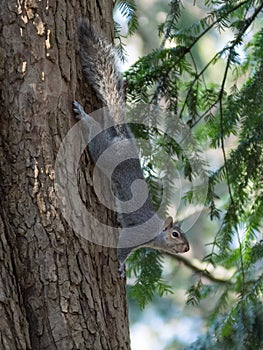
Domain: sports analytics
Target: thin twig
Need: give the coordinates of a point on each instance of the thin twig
(196, 79)
(203, 272)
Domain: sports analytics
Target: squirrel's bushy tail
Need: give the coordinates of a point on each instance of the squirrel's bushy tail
(99, 63)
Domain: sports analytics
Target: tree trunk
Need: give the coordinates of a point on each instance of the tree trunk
(57, 289)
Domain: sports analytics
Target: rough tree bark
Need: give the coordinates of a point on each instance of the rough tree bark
(57, 290)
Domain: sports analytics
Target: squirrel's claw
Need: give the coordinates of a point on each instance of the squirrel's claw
(122, 271)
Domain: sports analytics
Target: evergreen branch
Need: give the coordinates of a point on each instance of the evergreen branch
(225, 158)
(197, 77)
(221, 93)
(174, 11)
(219, 19)
(128, 9)
(229, 60)
(204, 114)
(197, 268)
(218, 54)
(175, 14)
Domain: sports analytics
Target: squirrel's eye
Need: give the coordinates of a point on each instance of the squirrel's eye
(175, 234)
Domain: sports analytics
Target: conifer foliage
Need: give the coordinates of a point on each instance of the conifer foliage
(231, 106)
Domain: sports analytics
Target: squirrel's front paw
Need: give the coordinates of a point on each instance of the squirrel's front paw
(122, 271)
(78, 109)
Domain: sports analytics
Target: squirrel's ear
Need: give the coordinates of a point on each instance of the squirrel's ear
(168, 223)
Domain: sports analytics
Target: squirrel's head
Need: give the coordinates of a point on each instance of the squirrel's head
(174, 237)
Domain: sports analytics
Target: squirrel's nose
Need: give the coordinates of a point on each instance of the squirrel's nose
(186, 248)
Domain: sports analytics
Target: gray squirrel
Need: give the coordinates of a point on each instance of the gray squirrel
(140, 225)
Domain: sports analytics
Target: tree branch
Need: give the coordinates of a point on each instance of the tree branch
(197, 267)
